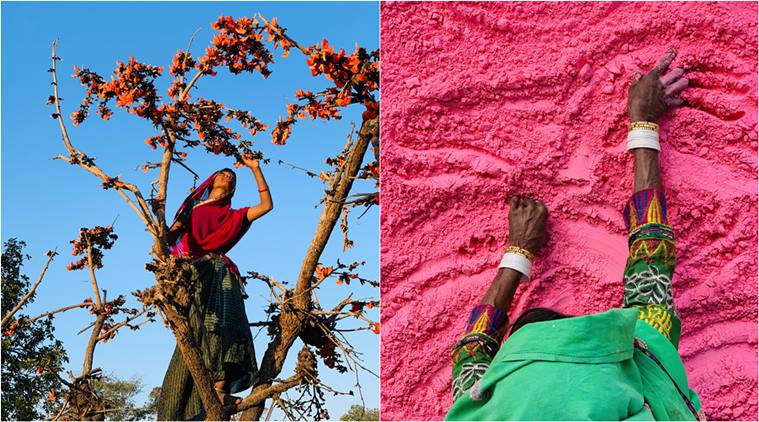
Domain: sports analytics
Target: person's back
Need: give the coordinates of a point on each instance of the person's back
(621, 364)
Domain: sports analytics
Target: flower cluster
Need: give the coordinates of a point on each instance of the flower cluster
(97, 239)
(10, 329)
(357, 306)
(277, 37)
(355, 78)
(238, 46)
(181, 64)
(133, 88)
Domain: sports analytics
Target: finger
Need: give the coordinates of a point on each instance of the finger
(527, 202)
(514, 202)
(665, 61)
(672, 76)
(676, 87)
(674, 102)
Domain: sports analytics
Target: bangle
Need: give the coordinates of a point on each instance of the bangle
(643, 125)
(643, 138)
(263, 190)
(521, 251)
(518, 262)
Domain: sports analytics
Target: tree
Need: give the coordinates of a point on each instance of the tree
(360, 413)
(31, 355)
(119, 394)
(118, 398)
(84, 397)
(184, 123)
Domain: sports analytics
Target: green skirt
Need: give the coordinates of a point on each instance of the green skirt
(220, 326)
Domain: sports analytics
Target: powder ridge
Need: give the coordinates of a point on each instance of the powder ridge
(485, 100)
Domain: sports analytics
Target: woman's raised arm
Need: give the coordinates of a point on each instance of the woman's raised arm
(266, 204)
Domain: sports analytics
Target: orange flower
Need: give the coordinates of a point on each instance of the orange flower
(323, 272)
(375, 327)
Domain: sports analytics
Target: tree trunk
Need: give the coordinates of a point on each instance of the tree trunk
(291, 321)
(194, 362)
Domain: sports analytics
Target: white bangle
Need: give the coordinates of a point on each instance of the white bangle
(643, 138)
(517, 262)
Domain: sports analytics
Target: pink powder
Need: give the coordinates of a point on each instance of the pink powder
(482, 101)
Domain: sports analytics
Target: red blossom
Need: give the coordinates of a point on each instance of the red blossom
(355, 78)
(99, 238)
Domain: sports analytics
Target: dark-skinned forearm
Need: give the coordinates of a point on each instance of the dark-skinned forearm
(502, 289)
(265, 196)
(646, 169)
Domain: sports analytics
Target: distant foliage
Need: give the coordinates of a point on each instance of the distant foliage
(360, 413)
(31, 355)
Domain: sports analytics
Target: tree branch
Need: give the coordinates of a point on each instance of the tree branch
(65, 308)
(89, 352)
(80, 159)
(291, 323)
(50, 255)
(93, 279)
(121, 324)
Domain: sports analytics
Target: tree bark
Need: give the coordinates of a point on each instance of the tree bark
(194, 361)
(89, 353)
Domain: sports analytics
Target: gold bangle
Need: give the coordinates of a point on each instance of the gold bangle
(521, 251)
(643, 125)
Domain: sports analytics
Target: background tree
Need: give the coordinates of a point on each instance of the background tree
(182, 123)
(80, 397)
(360, 413)
(31, 355)
(120, 395)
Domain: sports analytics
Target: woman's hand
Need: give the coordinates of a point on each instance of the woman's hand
(652, 95)
(527, 220)
(250, 161)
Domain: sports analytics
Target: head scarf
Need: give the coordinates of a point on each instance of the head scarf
(209, 227)
(200, 194)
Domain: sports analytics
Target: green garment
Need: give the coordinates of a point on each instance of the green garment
(581, 368)
(220, 325)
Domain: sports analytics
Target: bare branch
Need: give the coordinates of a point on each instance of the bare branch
(65, 308)
(50, 255)
(259, 394)
(123, 323)
(80, 159)
(283, 35)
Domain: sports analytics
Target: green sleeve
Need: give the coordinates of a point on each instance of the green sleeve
(651, 263)
(473, 353)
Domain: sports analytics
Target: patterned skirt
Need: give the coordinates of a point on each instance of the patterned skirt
(220, 326)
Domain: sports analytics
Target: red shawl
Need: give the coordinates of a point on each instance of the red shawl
(211, 227)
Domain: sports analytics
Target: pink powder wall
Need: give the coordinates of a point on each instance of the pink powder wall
(481, 101)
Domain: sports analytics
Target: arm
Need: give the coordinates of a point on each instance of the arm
(266, 204)
(649, 97)
(527, 220)
(651, 263)
(487, 324)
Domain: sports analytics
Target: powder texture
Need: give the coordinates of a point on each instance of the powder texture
(483, 101)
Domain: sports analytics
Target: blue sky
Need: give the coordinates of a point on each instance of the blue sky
(45, 202)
